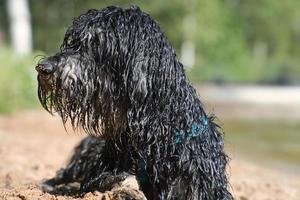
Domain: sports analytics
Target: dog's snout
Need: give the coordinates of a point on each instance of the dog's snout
(45, 68)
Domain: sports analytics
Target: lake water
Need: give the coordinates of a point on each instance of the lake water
(271, 141)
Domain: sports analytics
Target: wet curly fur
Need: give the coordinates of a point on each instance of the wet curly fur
(117, 77)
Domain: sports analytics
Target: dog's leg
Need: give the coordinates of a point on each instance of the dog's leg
(85, 158)
(116, 180)
(91, 167)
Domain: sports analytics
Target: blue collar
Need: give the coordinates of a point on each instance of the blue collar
(194, 131)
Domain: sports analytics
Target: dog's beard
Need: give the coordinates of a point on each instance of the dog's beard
(46, 90)
(78, 95)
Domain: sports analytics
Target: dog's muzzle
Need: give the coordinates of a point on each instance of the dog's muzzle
(46, 71)
(45, 68)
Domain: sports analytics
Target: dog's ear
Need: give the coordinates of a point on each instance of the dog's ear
(137, 82)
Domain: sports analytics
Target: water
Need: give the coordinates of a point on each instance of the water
(268, 140)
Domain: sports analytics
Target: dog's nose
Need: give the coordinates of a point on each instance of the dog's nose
(44, 68)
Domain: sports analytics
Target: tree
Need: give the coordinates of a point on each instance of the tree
(20, 26)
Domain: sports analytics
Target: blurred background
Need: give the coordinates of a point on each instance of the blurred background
(243, 56)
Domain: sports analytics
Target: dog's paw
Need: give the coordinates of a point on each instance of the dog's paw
(120, 193)
(51, 187)
(127, 193)
(47, 186)
(128, 190)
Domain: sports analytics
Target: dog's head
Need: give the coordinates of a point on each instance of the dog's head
(110, 60)
(84, 82)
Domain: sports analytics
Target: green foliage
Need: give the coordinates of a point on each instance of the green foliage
(276, 25)
(221, 49)
(17, 81)
(247, 41)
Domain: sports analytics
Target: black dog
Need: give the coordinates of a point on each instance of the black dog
(118, 78)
